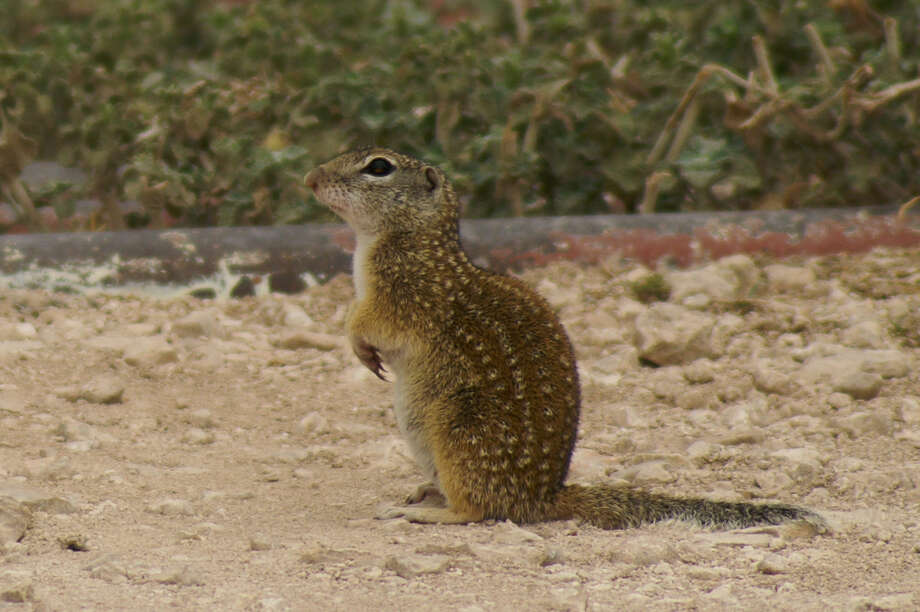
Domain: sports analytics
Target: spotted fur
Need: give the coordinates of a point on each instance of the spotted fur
(487, 391)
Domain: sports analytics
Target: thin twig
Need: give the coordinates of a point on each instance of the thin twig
(825, 63)
(892, 42)
(519, 8)
(684, 129)
(652, 187)
(870, 102)
(906, 206)
(763, 64)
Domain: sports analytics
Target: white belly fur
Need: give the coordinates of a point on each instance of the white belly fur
(402, 407)
(395, 362)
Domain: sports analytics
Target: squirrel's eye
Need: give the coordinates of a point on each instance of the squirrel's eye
(379, 166)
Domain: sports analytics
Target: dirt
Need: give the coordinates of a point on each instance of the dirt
(232, 455)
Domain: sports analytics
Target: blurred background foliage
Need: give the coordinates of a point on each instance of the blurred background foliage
(201, 113)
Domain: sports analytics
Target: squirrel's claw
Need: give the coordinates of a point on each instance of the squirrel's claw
(370, 357)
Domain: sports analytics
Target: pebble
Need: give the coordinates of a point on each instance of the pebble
(789, 279)
(258, 543)
(14, 520)
(320, 553)
(509, 533)
(178, 576)
(644, 551)
(17, 331)
(36, 499)
(172, 507)
(202, 418)
(195, 435)
(772, 564)
(860, 424)
(909, 410)
(668, 334)
(771, 380)
(558, 297)
(699, 372)
(411, 565)
(801, 464)
(647, 473)
(150, 352)
(858, 373)
(313, 423)
(865, 335)
(108, 568)
(199, 323)
(105, 389)
(16, 586)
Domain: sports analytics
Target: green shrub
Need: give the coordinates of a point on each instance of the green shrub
(212, 112)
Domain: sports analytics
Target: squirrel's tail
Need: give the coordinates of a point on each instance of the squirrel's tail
(611, 507)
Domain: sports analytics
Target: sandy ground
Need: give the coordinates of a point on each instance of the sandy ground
(231, 455)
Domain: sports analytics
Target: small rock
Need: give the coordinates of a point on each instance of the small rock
(897, 601)
(509, 533)
(108, 568)
(16, 586)
(148, 352)
(14, 520)
(313, 423)
(76, 542)
(850, 371)
(199, 323)
(772, 564)
(257, 543)
(770, 380)
(701, 452)
(644, 551)
(698, 398)
(862, 423)
(194, 435)
(106, 389)
(649, 472)
(668, 334)
(201, 417)
(409, 566)
(772, 483)
(789, 279)
(319, 553)
(860, 385)
(699, 372)
(36, 499)
(801, 464)
(866, 334)
(17, 331)
(909, 410)
(180, 576)
(300, 339)
(172, 507)
(558, 297)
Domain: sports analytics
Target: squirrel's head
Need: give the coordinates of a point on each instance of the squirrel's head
(376, 191)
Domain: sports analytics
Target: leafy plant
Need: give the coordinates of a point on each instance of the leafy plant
(211, 112)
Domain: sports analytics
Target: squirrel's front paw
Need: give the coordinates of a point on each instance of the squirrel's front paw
(429, 494)
(369, 356)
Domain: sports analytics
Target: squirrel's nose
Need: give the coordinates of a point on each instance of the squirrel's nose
(312, 178)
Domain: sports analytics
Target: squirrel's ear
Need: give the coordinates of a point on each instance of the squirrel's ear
(434, 179)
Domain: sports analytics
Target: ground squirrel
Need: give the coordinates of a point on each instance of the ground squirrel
(487, 391)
